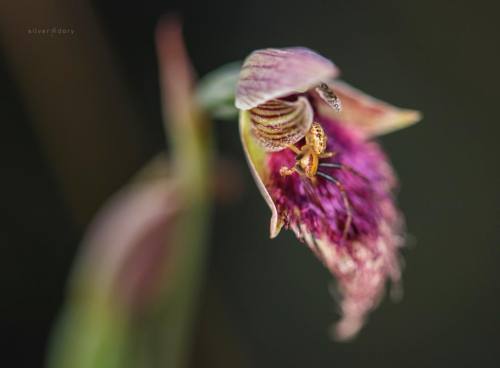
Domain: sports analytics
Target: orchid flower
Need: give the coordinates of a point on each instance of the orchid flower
(307, 139)
(133, 294)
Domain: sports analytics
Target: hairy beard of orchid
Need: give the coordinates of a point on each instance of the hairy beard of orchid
(365, 255)
(319, 171)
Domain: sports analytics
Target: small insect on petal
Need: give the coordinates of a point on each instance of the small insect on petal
(306, 139)
(327, 94)
(366, 114)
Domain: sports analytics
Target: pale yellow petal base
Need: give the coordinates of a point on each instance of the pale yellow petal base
(256, 156)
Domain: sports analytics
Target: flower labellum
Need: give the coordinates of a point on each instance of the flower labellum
(307, 136)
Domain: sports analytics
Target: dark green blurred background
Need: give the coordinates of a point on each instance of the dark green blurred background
(87, 117)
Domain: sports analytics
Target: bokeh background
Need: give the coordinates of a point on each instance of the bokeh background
(81, 113)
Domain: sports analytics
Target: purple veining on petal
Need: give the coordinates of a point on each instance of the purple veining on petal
(273, 73)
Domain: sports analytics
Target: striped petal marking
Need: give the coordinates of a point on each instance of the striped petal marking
(276, 124)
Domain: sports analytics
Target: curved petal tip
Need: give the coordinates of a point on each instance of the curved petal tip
(272, 73)
(372, 117)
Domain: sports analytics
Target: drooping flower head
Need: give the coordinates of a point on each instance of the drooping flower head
(307, 140)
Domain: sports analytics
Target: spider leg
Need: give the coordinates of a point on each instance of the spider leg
(342, 167)
(294, 148)
(329, 164)
(327, 154)
(345, 199)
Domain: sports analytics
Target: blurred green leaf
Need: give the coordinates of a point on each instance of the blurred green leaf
(215, 92)
(134, 291)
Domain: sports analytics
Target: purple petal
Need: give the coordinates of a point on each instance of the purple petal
(128, 244)
(316, 211)
(362, 270)
(272, 73)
